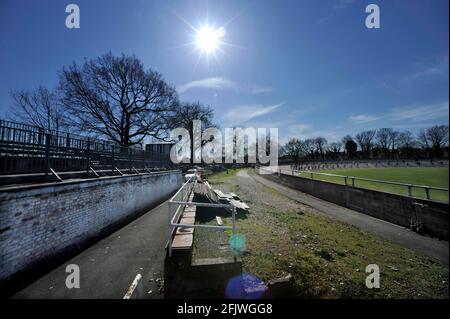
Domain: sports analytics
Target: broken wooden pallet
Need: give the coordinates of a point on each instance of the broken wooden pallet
(239, 204)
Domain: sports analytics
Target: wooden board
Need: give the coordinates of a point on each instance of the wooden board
(189, 214)
(219, 221)
(182, 241)
(190, 208)
(221, 194)
(234, 195)
(239, 204)
(187, 220)
(184, 230)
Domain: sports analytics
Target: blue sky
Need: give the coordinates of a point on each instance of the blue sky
(307, 67)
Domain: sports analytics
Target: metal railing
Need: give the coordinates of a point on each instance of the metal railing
(350, 181)
(28, 149)
(180, 200)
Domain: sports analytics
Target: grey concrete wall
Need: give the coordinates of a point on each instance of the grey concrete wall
(393, 208)
(41, 221)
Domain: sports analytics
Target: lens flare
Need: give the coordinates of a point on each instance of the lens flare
(208, 39)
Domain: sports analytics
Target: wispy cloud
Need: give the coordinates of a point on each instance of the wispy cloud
(339, 5)
(215, 83)
(324, 19)
(435, 67)
(243, 113)
(363, 118)
(218, 83)
(421, 113)
(415, 114)
(256, 89)
(305, 131)
(342, 4)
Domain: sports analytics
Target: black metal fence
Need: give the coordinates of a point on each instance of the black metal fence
(29, 149)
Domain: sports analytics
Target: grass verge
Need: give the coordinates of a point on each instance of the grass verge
(326, 258)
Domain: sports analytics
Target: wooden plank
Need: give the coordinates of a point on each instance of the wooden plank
(239, 204)
(182, 241)
(189, 214)
(184, 230)
(219, 221)
(187, 221)
(190, 208)
(218, 192)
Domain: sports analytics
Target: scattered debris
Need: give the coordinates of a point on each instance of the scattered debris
(280, 287)
(392, 268)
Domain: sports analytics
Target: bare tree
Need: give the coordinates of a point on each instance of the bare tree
(185, 114)
(39, 108)
(365, 141)
(383, 138)
(423, 139)
(438, 138)
(117, 98)
(393, 138)
(349, 145)
(320, 143)
(406, 141)
(309, 145)
(335, 147)
(293, 148)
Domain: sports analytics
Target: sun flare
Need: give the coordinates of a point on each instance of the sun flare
(208, 39)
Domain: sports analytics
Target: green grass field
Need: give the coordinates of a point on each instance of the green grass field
(429, 176)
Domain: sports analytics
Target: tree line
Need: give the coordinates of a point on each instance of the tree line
(109, 97)
(381, 143)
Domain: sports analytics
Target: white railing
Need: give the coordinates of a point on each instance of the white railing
(180, 200)
(350, 180)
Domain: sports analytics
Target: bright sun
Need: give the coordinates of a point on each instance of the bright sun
(208, 38)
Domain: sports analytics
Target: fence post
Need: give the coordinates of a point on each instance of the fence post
(68, 140)
(129, 158)
(410, 190)
(353, 181)
(234, 220)
(112, 160)
(346, 180)
(312, 175)
(47, 154)
(88, 155)
(427, 191)
(169, 239)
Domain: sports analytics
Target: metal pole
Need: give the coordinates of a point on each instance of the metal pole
(427, 191)
(88, 155)
(169, 245)
(47, 154)
(234, 220)
(112, 160)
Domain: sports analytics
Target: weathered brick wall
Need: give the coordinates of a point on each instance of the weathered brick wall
(40, 221)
